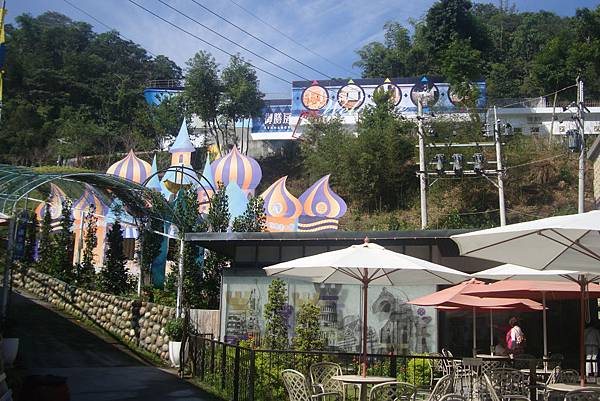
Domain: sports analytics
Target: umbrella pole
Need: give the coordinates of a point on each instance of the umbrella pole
(474, 332)
(582, 283)
(365, 328)
(491, 332)
(545, 323)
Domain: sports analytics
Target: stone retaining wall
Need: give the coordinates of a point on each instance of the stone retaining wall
(141, 323)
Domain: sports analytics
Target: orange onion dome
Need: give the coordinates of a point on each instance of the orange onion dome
(235, 167)
(131, 168)
(279, 202)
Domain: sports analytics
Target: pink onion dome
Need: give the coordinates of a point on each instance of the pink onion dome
(235, 167)
(320, 201)
(89, 199)
(279, 202)
(131, 168)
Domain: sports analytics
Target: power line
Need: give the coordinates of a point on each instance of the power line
(257, 38)
(290, 38)
(103, 24)
(231, 41)
(204, 41)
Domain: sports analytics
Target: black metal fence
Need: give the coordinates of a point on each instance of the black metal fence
(244, 374)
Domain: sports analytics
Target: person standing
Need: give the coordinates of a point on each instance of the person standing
(515, 338)
(592, 344)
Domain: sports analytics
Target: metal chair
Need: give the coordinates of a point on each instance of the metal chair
(393, 391)
(509, 382)
(453, 397)
(442, 388)
(298, 389)
(489, 388)
(570, 376)
(321, 374)
(542, 388)
(583, 395)
(522, 361)
(436, 368)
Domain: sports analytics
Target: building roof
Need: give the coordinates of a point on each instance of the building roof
(182, 142)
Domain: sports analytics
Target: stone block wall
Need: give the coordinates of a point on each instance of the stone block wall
(140, 323)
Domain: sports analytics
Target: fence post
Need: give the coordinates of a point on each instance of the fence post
(212, 357)
(236, 374)
(252, 374)
(393, 364)
(223, 364)
(202, 353)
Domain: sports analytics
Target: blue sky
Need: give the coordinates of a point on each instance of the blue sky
(334, 29)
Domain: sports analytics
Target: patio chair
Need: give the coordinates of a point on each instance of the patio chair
(298, 389)
(570, 376)
(583, 395)
(509, 382)
(442, 388)
(488, 388)
(321, 374)
(393, 391)
(447, 364)
(437, 368)
(542, 388)
(522, 361)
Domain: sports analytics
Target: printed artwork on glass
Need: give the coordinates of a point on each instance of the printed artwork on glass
(315, 97)
(428, 92)
(351, 96)
(396, 92)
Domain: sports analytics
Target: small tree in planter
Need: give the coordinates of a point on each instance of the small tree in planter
(276, 327)
(61, 265)
(86, 272)
(175, 329)
(113, 277)
(308, 333)
(46, 245)
(30, 241)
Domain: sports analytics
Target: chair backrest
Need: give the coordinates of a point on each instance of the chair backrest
(583, 395)
(442, 387)
(522, 361)
(570, 376)
(321, 373)
(393, 391)
(454, 397)
(508, 381)
(489, 388)
(554, 375)
(296, 385)
(447, 363)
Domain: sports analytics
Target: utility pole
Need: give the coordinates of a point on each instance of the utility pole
(582, 150)
(422, 165)
(498, 142)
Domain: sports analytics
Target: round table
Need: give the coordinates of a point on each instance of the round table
(541, 372)
(566, 387)
(490, 356)
(363, 382)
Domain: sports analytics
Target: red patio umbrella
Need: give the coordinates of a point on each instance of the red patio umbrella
(455, 298)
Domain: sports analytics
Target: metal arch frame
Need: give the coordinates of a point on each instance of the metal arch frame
(183, 171)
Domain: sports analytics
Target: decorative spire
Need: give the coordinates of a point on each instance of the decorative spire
(235, 167)
(182, 142)
(154, 182)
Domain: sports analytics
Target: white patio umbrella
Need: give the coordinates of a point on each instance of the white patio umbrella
(366, 264)
(570, 242)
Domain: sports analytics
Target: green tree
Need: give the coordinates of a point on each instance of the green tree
(30, 240)
(275, 314)
(308, 329)
(62, 259)
(113, 277)
(218, 213)
(254, 218)
(46, 245)
(86, 271)
(388, 59)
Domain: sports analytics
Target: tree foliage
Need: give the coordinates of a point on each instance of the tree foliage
(275, 314)
(113, 277)
(254, 218)
(61, 265)
(71, 92)
(86, 271)
(308, 329)
(46, 245)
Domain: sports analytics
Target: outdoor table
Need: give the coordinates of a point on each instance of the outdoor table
(490, 356)
(539, 372)
(566, 387)
(363, 382)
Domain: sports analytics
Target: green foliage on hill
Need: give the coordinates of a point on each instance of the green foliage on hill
(520, 54)
(70, 92)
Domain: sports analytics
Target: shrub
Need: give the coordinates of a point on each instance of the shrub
(174, 329)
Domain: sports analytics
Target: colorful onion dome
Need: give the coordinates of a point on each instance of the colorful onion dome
(154, 182)
(56, 198)
(182, 142)
(320, 201)
(235, 167)
(89, 198)
(279, 202)
(131, 168)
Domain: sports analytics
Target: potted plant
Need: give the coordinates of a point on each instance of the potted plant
(174, 329)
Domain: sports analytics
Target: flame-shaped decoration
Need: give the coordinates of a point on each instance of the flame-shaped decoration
(235, 167)
(320, 201)
(56, 199)
(131, 168)
(279, 202)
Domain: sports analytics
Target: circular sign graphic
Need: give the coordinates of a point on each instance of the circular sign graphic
(351, 96)
(396, 92)
(315, 97)
(455, 98)
(427, 91)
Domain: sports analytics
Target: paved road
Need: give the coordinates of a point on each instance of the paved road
(97, 367)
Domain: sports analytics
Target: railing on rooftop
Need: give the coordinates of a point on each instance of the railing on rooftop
(165, 84)
(538, 102)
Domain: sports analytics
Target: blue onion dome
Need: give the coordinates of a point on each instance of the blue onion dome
(238, 168)
(131, 168)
